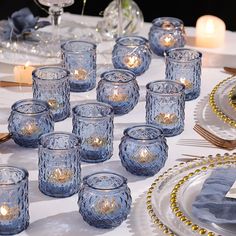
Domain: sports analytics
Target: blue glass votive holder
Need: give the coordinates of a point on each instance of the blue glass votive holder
(184, 65)
(14, 202)
(165, 105)
(104, 199)
(119, 89)
(51, 84)
(93, 124)
(132, 53)
(79, 57)
(59, 164)
(143, 150)
(29, 119)
(166, 33)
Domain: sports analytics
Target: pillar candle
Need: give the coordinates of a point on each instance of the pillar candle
(23, 73)
(210, 31)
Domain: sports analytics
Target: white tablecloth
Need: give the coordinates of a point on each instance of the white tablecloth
(55, 217)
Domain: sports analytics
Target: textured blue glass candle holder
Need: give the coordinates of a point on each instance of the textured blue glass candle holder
(79, 57)
(51, 84)
(93, 124)
(132, 53)
(14, 203)
(29, 119)
(119, 89)
(143, 150)
(184, 65)
(165, 105)
(59, 164)
(104, 199)
(166, 33)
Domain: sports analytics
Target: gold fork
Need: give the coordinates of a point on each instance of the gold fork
(4, 137)
(214, 139)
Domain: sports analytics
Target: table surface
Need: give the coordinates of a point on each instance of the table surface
(52, 216)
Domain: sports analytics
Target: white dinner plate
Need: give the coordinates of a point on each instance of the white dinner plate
(160, 195)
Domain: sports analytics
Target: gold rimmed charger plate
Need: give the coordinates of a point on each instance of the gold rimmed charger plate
(220, 103)
(168, 211)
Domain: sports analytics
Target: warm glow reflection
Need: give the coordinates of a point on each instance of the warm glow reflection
(117, 96)
(186, 83)
(132, 61)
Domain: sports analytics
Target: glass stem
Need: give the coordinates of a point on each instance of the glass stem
(120, 20)
(55, 13)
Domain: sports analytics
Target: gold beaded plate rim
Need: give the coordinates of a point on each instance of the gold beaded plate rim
(230, 97)
(215, 108)
(152, 193)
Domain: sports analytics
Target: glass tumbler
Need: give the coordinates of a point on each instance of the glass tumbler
(79, 58)
(120, 89)
(29, 119)
(184, 65)
(14, 202)
(104, 199)
(59, 164)
(51, 84)
(93, 124)
(132, 53)
(143, 150)
(165, 106)
(166, 33)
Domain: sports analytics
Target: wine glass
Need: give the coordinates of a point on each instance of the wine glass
(56, 9)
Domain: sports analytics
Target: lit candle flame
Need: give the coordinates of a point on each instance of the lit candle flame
(29, 129)
(166, 119)
(80, 74)
(60, 175)
(167, 40)
(145, 156)
(117, 96)
(106, 206)
(187, 83)
(4, 210)
(132, 61)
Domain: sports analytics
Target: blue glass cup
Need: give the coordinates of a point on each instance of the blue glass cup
(79, 58)
(165, 106)
(143, 150)
(59, 164)
(119, 89)
(166, 33)
(51, 84)
(184, 65)
(29, 119)
(104, 199)
(93, 124)
(14, 202)
(132, 53)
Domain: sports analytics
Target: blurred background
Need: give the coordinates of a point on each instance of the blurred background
(188, 11)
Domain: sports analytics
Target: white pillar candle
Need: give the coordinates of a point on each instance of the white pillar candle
(23, 73)
(210, 31)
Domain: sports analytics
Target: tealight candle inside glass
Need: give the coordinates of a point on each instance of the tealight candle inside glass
(51, 84)
(165, 106)
(184, 65)
(104, 199)
(79, 58)
(119, 89)
(93, 124)
(29, 119)
(143, 150)
(59, 164)
(132, 53)
(166, 33)
(14, 203)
